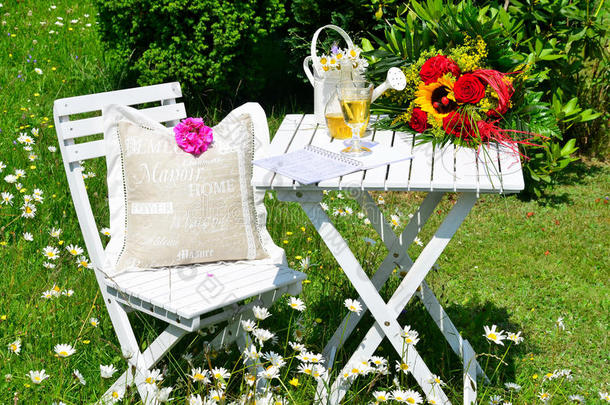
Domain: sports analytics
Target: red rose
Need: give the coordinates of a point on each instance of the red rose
(503, 88)
(468, 89)
(459, 125)
(436, 67)
(419, 120)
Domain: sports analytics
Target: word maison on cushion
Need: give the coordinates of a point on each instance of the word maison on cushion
(170, 206)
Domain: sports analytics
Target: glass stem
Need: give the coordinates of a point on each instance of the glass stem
(355, 137)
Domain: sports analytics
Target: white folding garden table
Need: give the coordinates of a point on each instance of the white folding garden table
(436, 170)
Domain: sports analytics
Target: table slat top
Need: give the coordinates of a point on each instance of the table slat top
(493, 169)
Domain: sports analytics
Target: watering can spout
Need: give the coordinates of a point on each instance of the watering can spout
(395, 80)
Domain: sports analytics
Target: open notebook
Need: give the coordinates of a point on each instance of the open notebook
(313, 164)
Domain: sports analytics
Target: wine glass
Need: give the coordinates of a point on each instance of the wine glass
(355, 99)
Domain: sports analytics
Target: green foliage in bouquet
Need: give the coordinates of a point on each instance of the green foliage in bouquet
(544, 102)
(210, 46)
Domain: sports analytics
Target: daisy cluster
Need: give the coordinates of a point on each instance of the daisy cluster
(333, 60)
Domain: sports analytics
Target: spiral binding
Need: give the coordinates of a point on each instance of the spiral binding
(333, 155)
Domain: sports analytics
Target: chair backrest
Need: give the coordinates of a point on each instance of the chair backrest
(70, 128)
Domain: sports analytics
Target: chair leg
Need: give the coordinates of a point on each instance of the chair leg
(139, 362)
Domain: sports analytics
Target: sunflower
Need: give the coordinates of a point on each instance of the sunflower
(437, 98)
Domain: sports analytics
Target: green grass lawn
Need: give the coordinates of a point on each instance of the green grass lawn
(518, 264)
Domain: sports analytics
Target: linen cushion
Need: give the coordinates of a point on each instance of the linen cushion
(168, 207)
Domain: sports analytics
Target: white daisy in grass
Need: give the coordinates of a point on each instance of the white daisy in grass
(296, 346)
(604, 396)
(114, 396)
(52, 149)
(340, 196)
(2, 166)
(353, 306)
(395, 221)
(249, 325)
(250, 379)
(305, 263)
(318, 371)
(38, 197)
(220, 373)
(410, 336)
(32, 157)
(51, 253)
(19, 173)
(269, 373)
(495, 400)
(48, 294)
(83, 262)
(68, 293)
(297, 304)
(494, 335)
(305, 368)
(436, 380)
(28, 236)
(544, 396)
(380, 200)
(199, 375)
(35, 131)
(516, 338)
(399, 395)
(261, 313)
(366, 221)
(74, 250)
(262, 335)
(361, 215)
(64, 350)
(105, 231)
(49, 265)
(153, 376)
(39, 70)
(215, 395)
(434, 401)
(28, 148)
(10, 178)
(275, 359)
(28, 210)
(251, 353)
(37, 376)
(348, 210)
(55, 232)
(382, 396)
(379, 361)
(27, 199)
(94, 322)
(412, 397)
(402, 366)
(7, 198)
(107, 371)
(195, 399)
(513, 387)
(15, 347)
(164, 393)
(324, 206)
(77, 374)
(558, 323)
(579, 399)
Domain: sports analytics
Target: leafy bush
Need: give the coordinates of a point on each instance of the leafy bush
(553, 50)
(214, 47)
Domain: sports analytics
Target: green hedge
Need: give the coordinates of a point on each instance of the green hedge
(211, 46)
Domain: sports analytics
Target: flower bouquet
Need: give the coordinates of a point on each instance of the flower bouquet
(454, 97)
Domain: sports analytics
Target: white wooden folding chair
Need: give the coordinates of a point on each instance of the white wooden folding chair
(185, 297)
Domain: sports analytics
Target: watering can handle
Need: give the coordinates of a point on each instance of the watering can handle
(307, 69)
(314, 55)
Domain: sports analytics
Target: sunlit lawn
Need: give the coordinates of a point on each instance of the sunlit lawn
(518, 264)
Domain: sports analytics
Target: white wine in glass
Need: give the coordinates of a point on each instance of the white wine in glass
(355, 100)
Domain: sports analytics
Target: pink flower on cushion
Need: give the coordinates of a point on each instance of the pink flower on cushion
(193, 136)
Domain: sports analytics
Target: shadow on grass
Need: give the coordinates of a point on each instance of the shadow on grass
(469, 318)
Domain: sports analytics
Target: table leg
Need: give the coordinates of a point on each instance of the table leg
(387, 323)
(408, 287)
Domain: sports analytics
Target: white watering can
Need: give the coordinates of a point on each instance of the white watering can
(325, 83)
